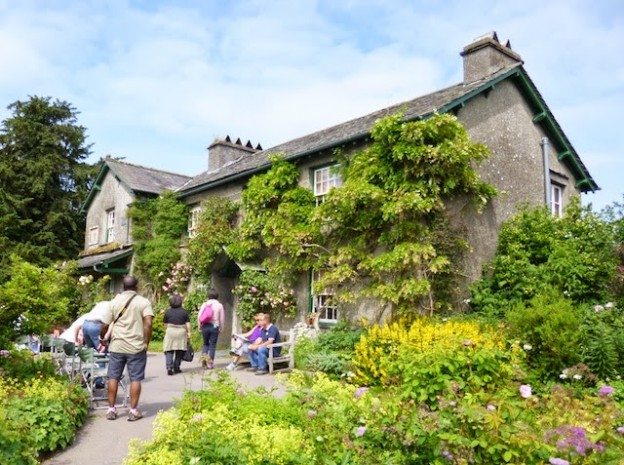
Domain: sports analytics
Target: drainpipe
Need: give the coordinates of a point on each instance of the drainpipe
(545, 156)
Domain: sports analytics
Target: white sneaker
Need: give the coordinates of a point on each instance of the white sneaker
(231, 366)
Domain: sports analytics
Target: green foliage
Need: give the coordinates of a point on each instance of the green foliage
(276, 223)
(39, 411)
(259, 292)
(329, 422)
(157, 227)
(216, 230)
(386, 226)
(330, 352)
(43, 296)
(536, 251)
(23, 365)
(44, 182)
(602, 340)
(549, 323)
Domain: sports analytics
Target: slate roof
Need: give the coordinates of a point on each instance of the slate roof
(359, 128)
(336, 135)
(143, 179)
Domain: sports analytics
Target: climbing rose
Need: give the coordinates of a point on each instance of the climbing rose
(525, 391)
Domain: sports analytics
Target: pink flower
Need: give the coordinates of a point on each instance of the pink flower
(360, 431)
(359, 392)
(605, 391)
(525, 391)
(620, 429)
(490, 408)
(558, 461)
(253, 289)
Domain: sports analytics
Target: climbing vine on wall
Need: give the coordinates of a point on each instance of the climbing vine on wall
(157, 226)
(384, 233)
(385, 229)
(215, 230)
(276, 220)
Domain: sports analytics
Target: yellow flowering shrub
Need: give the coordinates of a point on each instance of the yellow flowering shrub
(380, 346)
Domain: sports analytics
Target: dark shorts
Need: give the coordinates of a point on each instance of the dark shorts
(135, 363)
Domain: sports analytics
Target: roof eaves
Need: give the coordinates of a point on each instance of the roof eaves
(97, 186)
(567, 153)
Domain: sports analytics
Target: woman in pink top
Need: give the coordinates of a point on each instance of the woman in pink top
(210, 329)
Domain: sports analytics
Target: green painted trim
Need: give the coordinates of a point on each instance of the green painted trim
(564, 154)
(113, 270)
(97, 186)
(539, 117)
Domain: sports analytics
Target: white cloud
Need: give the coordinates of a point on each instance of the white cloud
(157, 83)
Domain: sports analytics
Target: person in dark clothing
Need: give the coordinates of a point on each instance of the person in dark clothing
(177, 334)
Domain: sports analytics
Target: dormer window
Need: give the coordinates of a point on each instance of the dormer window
(325, 179)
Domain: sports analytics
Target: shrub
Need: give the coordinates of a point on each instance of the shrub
(550, 324)
(23, 365)
(40, 414)
(536, 251)
(379, 347)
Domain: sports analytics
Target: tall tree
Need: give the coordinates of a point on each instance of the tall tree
(43, 181)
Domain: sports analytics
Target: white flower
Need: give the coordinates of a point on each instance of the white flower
(527, 347)
(577, 377)
(563, 376)
(598, 308)
(609, 305)
(525, 391)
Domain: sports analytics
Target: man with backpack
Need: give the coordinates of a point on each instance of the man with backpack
(210, 320)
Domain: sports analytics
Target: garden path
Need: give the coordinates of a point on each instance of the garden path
(104, 442)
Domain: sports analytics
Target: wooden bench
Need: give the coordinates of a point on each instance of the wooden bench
(287, 355)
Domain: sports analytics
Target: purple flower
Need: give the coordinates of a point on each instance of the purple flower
(360, 431)
(4, 353)
(525, 391)
(447, 455)
(558, 461)
(605, 391)
(620, 429)
(359, 392)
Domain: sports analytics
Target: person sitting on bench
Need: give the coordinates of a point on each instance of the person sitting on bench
(259, 353)
(245, 341)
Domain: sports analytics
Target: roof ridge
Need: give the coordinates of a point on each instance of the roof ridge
(110, 159)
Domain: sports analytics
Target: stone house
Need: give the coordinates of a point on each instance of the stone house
(532, 161)
(108, 238)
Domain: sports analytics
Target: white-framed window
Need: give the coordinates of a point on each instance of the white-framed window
(94, 235)
(110, 226)
(556, 200)
(193, 222)
(325, 179)
(322, 302)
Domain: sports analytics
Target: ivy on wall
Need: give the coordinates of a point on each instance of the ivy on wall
(157, 226)
(384, 233)
(216, 229)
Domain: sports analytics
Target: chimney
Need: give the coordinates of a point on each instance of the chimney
(485, 56)
(223, 151)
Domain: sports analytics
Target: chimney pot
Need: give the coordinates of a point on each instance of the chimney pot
(485, 56)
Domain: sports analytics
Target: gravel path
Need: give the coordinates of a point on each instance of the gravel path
(104, 442)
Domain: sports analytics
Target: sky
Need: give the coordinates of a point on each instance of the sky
(156, 82)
